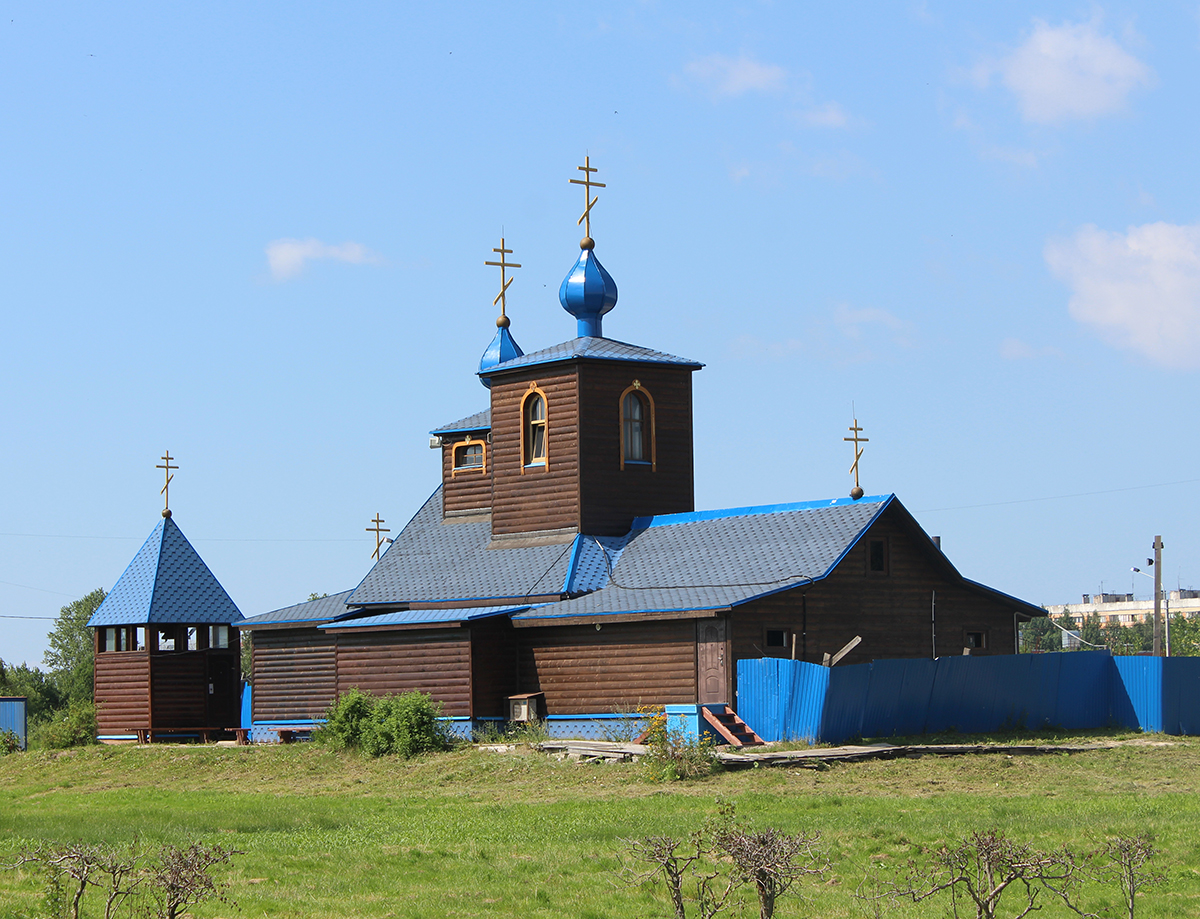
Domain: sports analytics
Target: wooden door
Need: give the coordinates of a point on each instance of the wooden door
(224, 706)
(712, 673)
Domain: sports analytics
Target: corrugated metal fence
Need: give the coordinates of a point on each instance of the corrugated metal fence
(12, 717)
(792, 700)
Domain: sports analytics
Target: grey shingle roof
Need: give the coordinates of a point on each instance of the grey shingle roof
(716, 559)
(480, 421)
(167, 582)
(425, 616)
(324, 609)
(433, 561)
(604, 349)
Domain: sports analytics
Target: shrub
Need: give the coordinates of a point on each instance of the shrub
(73, 726)
(9, 743)
(404, 725)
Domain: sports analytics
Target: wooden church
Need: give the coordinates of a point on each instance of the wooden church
(167, 646)
(561, 558)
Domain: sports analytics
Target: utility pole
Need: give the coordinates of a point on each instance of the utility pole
(1158, 623)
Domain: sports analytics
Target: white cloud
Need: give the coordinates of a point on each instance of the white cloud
(829, 115)
(1013, 349)
(847, 336)
(726, 77)
(1140, 289)
(1068, 71)
(287, 257)
(853, 323)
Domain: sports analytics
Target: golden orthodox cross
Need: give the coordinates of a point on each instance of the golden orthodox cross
(505, 280)
(166, 489)
(588, 185)
(379, 529)
(857, 492)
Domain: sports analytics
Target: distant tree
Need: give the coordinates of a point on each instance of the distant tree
(1093, 630)
(1123, 641)
(1185, 636)
(1040, 634)
(316, 596)
(42, 694)
(71, 656)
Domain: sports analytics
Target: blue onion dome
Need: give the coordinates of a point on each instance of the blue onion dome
(503, 348)
(588, 292)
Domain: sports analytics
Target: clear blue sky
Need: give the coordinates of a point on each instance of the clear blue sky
(254, 234)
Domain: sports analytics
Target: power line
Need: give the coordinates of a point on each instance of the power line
(200, 539)
(58, 593)
(1081, 494)
(47, 618)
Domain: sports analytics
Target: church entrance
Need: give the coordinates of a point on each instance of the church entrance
(712, 672)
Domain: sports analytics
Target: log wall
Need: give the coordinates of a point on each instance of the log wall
(295, 674)
(540, 497)
(469, 490)
(623, 665)
(436, 661)
(892, 611)
(179, 690)
(122, 691)
(494, 673)
(611, 496)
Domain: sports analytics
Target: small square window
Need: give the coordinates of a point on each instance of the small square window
(975, 640)
(166, 639)
(139, 639)
(218, 636)
(776, 638)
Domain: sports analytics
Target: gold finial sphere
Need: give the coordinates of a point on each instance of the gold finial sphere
(587, 243)
(167, 512)
(856, 492)
(502, 322)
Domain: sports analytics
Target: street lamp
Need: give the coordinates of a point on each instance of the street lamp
(1166, 599)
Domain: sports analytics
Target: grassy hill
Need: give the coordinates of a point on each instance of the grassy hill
(482, 834)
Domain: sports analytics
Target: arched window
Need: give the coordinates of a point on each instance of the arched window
(637, 427)
(534, 428)
(633, 418)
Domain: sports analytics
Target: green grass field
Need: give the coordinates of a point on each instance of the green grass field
(482, 834)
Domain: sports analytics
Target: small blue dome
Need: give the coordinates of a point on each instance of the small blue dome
(587, 293)
(503, 348)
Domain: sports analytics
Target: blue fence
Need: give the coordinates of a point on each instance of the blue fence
(793, 700)
(12, 717)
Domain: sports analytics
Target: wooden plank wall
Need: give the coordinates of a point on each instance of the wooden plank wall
(493, 666)
(541, 498)
(437, 661)
(611, 496)
(295, 674)
(469, 490)
(623, 665)
(179, 690)
(891, 612)
(122, 691)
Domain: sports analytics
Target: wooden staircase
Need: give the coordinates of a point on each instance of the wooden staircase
(726, 723)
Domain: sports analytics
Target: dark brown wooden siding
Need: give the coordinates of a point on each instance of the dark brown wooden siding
(437, 662)
(623, 665)
(469, 490)
(611, 496)
(892, 611)
(178, 690)
(295, 674)
(546, 497)
(493, 666)
(122, 691)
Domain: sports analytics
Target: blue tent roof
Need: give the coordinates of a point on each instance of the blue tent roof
(167, 582)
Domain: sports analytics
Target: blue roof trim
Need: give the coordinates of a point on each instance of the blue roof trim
(593, 348)
(885, 503)
(662, 520)
(576, 548)
(637, 612)
(1001, 593)
(425, 616)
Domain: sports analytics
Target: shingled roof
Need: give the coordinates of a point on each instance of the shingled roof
(167, 582)
(480, 421)
(602, 349)
(713, 560)
(432, 561)
(323, 609)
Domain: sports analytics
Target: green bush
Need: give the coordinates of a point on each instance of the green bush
(404, 725)
(9, 742)
(73, 726)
